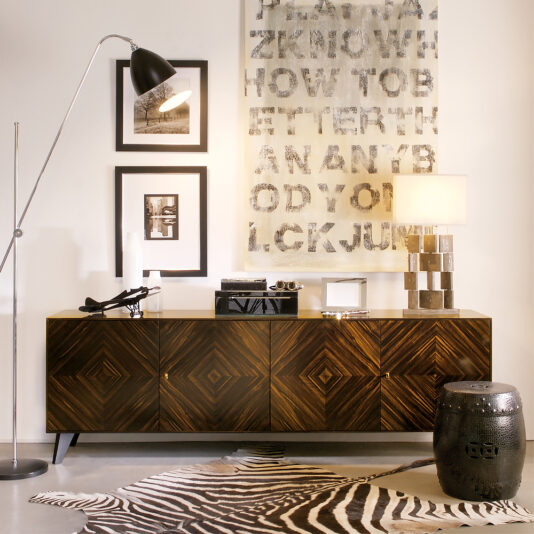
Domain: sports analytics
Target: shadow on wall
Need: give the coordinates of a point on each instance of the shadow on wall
(49, 272)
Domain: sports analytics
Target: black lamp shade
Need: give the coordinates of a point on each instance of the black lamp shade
(148, 70)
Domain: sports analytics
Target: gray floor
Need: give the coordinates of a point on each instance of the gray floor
(102, 467)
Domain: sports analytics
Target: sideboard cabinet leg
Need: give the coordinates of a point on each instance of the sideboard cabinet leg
(74, 441)
(63, 442)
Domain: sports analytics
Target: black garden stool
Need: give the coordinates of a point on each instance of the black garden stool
(479, 440)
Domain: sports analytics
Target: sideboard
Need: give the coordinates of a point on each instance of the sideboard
(179, 371)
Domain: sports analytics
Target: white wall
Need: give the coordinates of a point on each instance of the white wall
(486, 117)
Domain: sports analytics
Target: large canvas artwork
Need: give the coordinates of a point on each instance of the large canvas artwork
(340, 95)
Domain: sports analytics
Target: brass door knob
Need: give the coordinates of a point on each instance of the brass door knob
(166, 375)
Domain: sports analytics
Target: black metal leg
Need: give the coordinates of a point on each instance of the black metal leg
(74, 441)
(63, 442)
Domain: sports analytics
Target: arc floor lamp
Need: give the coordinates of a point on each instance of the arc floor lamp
(148, 71)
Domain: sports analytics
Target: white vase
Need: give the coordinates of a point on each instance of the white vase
(132, 262)
(154, 303)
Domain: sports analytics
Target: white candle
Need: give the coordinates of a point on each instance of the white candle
(132, 262)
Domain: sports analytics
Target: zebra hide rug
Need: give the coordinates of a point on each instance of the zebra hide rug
(263, 493)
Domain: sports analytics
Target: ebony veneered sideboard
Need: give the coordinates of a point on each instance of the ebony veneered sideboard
(179, 371)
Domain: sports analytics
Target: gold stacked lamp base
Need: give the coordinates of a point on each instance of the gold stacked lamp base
(431, 254)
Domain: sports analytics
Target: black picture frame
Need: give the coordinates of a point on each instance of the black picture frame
(125, 191)
(173, 142)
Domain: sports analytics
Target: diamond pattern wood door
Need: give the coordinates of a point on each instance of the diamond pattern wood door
(215, 376)
(419, 356)
(325, 375)
(407, 365)
(463, 350)
(102, 375)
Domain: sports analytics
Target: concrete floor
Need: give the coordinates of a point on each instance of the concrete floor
(103, 467)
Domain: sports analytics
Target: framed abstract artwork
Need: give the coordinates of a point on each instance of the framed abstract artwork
(140, 126)
(166, 207)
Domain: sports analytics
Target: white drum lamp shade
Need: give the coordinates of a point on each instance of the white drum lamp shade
(429, 199)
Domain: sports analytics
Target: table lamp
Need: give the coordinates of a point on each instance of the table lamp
(429, 200)
(148, 72)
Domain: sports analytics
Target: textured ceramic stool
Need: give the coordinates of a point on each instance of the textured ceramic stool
(479, 440)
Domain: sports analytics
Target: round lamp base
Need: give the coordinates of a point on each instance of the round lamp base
(11, 470)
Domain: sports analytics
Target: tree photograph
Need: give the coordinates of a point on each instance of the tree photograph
(149, 120)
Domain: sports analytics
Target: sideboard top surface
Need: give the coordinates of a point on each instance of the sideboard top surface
(303, 314)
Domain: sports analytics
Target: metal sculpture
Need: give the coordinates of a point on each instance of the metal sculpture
(129, 299)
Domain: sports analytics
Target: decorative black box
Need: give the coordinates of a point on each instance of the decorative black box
(244, 284)
(256, 302)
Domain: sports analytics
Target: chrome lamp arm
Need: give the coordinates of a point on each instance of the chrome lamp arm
(18, 231)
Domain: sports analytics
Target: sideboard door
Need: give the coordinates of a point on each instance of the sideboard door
(214, 375)
(463, 350)
(419, 356)
(408, 374)
(325, 375)
(102, 375)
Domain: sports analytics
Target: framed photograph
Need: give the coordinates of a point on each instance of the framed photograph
(167, 208)
(140, 126)
(161, 217)
(343, 294)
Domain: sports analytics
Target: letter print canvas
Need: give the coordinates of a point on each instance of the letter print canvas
(340, 95)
